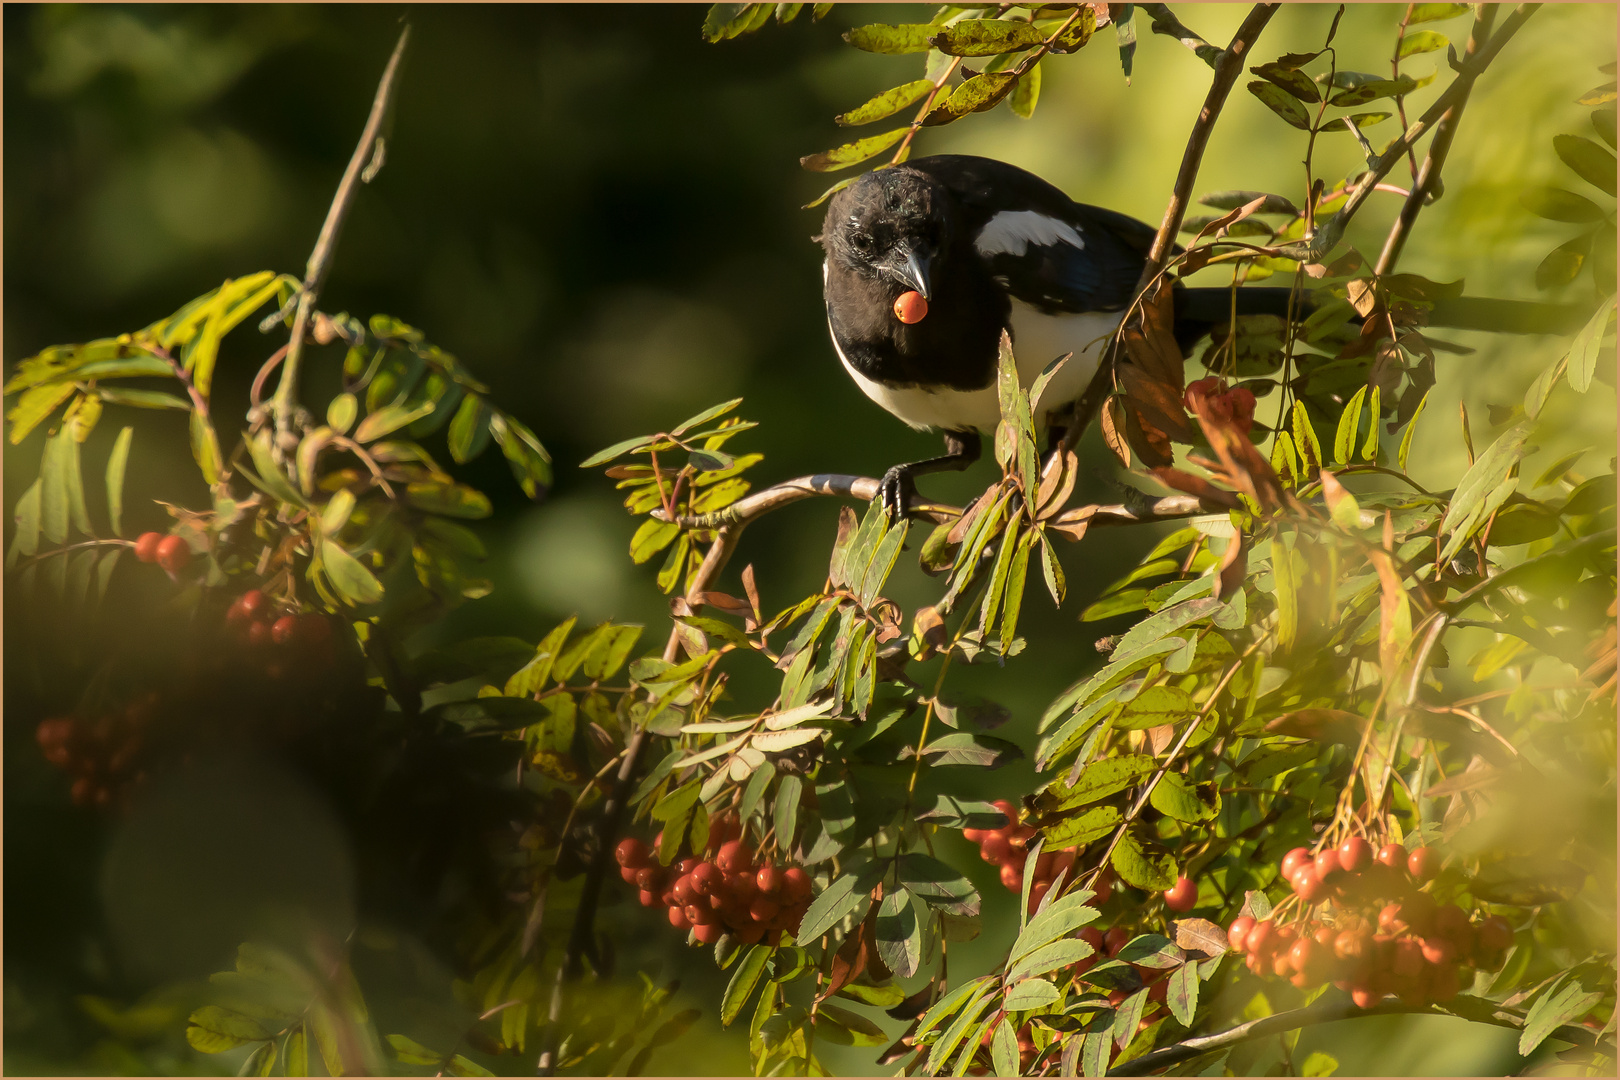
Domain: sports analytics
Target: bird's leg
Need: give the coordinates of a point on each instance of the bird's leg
(896, 487)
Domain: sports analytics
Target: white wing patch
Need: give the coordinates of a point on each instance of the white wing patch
(1012, 231)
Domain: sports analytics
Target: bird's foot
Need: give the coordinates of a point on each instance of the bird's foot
(895, 491)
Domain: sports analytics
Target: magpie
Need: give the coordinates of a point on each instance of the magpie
(989, 247)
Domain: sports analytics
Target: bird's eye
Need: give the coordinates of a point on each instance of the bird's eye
(862, 242)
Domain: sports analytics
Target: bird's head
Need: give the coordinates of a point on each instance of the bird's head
(890, 225)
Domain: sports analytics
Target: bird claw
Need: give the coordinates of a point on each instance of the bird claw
(895, 491)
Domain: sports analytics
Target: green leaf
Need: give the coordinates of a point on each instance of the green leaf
(1372, 89)
(469, 429)
(461, 1065)
(53, 479)
(978, 94)
(348, 575)
(1031, 994)
(530, 462)
(891, 40)
(853, 153)
(1369, 449)
(340, 414)
(134, 367)
(1050, 957)
(1150, 871)
(116, 463)
(1560, 1003)
(1175, 796)
(206, 451)
(490, 713)
(1027, 92)
(1469, 504)
(1422, 13)
(34, 406)
(295, 1057)
(1583, 351)
(886, 104)
(1154, 707)
(1166, 622)
(938, 884)
(389, 419)
(142, 399)
(27, 518)
(1281, 102)
(602, 457)
(1064, 916)
(862, 1031)
(533, 676)
(743, 982)
(1004, 1049)
(986, 37)
(1182, 996)
(1345, 438)
(1359, 120)
(848, 894)
(1590, 161)
(1563, 263)
(1321, 1063)
(1082, 828)
(411, 1052)
(1422, 41)
(213, 1029)
(450, 500)
(1292, 80)
(899, 936)
(1556, 204)
(1411, 427)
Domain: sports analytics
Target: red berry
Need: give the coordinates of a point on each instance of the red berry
(1307, 883)
(796, 885)
(1237, 935)
(678, 919)
(1183, 896)
(284, 629)
(258, 634)
(247, 606)
(768, 880)
(741, 885)
(1451, 921)
(734, 856)
(1355, 854)
(1407, 959)
(698, 915)
(1262, 938)
(1292, 862)
(911, 307)
(173, 553)
(708, 933)
(994, 847)
(1351, 945)
(684, 891)
(763, 910)
(1327, 863)
(1439, 950)
(1012, 875)
(751, 935)
(648, 899)
(1364, 997)
(1200, 388)
(707, 878)
(1392, 856)
(1495, 934)
(631, 852)
(314, 630)
(650, 877)
(1423, 864)
(628, 873)
(1115, 939)
(1240, 405)
(146, 546)
(1444, 983)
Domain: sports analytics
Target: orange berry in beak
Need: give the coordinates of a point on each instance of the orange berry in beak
(911, 307)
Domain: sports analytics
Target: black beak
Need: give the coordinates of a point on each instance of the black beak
(914, 271)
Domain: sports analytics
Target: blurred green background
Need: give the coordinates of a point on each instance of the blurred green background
(600, 214)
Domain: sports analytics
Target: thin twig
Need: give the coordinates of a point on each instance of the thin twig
(1228, 66)
(1165, 22)
(1332, 231)
(1326, 1013)
(320, 259)
(1426, 184)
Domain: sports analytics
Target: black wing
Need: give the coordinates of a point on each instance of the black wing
(1054, 275)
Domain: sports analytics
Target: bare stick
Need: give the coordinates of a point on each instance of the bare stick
(1426, 186)
(1165, 22)
(1474, 1009)
(1228, 66)
(1333, 230)
(320, 259)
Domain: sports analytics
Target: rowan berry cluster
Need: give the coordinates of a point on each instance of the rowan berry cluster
(1008, 848)
(1369, 929)
(170, 552)
(725, 891)
(103, 754)
(277, 636)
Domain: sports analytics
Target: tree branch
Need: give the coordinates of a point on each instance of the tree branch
(1477, 1010)
(1228, 66)
(320, 259)
(1331, 232)
(1165, 22)
(1426, 187)
(864, 488)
